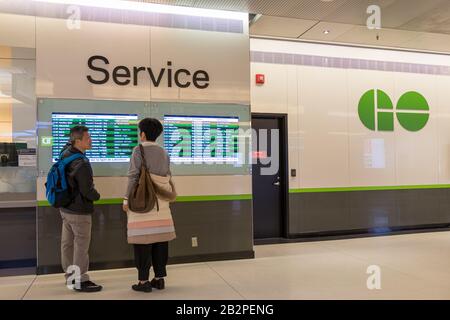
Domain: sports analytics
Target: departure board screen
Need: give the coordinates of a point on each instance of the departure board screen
(113, 135)
(201, 139)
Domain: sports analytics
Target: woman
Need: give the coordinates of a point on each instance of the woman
(150, 232)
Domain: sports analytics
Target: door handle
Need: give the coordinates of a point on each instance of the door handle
(276, 183)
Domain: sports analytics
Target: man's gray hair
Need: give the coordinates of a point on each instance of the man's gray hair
(76, 133)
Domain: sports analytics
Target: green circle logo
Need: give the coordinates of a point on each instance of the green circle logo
(376, 111)
(413, 111)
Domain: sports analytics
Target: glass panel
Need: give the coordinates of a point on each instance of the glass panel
(206, 139)
(103, 118)
(17, 130)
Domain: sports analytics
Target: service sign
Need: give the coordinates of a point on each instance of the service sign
(141, 63)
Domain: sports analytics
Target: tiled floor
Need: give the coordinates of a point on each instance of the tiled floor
(414, 266)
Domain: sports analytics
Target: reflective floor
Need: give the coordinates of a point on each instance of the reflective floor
(414, 266)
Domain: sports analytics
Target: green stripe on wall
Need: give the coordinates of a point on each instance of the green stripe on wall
(231, 197)
(215, 198)
(44, 203)
(374, 188)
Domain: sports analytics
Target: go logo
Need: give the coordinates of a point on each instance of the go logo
(46, 141)
(376, 111)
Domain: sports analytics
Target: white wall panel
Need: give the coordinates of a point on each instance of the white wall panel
(17, 31)
(62, 69)
(293, 127)
(213, 185)
(115, 187)
(271, 97)
(323, 127)
(161, 41)
(442, 111)
(224, 57)
(372, 153)
(417, 152)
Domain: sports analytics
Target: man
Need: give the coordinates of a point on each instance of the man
(77, 216)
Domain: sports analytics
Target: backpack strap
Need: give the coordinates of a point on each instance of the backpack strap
(73, 157)
(67, 146)
(63, 163)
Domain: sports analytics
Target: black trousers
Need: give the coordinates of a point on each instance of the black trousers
(146, 255)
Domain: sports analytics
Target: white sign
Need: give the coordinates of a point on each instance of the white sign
(141, 63)
(27, 160)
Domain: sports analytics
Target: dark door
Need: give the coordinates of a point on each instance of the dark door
(268, 187)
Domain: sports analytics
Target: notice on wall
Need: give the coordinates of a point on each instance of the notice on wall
(27, 158)
(374, 154)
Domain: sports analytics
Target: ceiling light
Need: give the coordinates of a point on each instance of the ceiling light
(152, 7)
(326, 31)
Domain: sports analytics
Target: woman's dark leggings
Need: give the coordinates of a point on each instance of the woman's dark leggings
(146, 255)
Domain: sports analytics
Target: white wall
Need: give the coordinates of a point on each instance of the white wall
(328, 144)
(62, 56)
(16, 31)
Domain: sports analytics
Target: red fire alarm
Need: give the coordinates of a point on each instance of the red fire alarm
(260, 78)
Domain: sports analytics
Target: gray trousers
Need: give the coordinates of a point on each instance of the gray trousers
(75, 241)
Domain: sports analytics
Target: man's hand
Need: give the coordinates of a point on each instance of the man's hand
(125, 207)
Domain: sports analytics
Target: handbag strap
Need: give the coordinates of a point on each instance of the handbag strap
(144, 164)
(144, 161)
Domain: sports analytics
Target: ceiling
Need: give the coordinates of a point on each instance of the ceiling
(410, 24)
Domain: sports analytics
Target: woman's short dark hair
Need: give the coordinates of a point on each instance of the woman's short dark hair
(151, 127)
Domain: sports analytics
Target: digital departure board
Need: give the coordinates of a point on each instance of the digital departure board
(201, 139)
(113, 135)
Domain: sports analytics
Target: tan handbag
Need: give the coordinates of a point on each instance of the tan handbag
(142, 198)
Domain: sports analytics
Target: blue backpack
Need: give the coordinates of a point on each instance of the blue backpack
(57, 188)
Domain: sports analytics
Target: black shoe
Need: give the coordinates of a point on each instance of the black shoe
(158, 284)
(144, 287)
(88, 286)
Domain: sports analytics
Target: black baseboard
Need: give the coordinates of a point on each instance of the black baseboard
(49, 269)
(356, 233)
(172, 260)
(14, 272)
(15, 264)
(213, 257)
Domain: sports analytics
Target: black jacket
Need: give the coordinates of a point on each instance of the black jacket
(81, 182)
